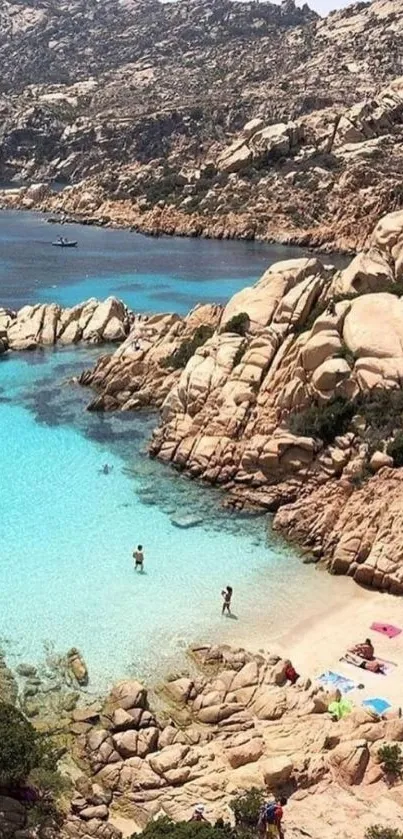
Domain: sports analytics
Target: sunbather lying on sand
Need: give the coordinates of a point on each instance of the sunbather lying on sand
(363, 655)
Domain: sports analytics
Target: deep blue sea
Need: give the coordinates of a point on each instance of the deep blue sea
(67, 530)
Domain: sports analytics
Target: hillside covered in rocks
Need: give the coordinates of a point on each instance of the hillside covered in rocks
(290, 398)
(206, 117)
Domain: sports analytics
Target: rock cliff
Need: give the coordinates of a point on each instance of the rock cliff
(206, 118)
(290, 398)
(234, 724)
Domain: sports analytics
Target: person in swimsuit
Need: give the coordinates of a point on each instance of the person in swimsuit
(227, 595)
(138, 557)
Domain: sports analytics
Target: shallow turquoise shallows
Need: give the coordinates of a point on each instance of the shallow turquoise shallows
(68, 530)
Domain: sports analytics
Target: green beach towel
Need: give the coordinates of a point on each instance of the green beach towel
(340, 709)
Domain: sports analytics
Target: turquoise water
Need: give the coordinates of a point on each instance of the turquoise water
(68, 532)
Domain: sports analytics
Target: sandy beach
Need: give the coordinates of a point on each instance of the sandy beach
(316, 644)
(316, 629)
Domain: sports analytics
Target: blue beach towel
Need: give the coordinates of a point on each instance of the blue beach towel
(378, 705)
(336, 681)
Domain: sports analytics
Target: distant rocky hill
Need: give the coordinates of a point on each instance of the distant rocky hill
(207, 117)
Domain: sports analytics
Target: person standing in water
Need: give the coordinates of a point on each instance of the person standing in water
(227, 595)
(138, 557)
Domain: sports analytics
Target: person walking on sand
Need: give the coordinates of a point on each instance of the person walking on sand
(226, 595)
(138, 557)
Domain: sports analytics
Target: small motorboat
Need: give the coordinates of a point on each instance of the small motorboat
(61, 242)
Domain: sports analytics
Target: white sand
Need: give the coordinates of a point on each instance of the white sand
(318, 641)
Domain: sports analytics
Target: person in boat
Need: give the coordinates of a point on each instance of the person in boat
(226, 595)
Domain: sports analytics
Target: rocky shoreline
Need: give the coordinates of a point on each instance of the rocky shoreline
(296, 139)
(234, 725)
(62, 208)
(289, 398)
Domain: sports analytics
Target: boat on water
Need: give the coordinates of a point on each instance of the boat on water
(61, 242)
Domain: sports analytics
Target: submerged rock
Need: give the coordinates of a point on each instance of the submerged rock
(77, 666)
(186, 521)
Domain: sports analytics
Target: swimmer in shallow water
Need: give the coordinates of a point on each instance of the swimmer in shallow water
(106, 469)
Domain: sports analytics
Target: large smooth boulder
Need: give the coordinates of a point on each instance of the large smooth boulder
(348, 762)
(109, 311)
(243, 749)
(388, 238)
(330, 373)
(127, 694)
(374, 326)
(368, 271)
(262, 300)
(277, 770)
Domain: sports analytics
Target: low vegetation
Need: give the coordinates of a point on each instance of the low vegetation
(246, 808)
(377, 831)
(239, 324)
(28, 769)
(187, 349)
(391, 758)
(21, 749)
(246, 813)
(324, 421)
(381, 410)
(395, 449)
(165, 828)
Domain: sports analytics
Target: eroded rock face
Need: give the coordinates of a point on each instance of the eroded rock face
(286, 149)
(44, 325)
(217, 744)
(229, 414)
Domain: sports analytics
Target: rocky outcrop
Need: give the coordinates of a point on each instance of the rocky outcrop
(230, 724)
(302, 146)
(42, 325)
(248, 411)
(234, 724)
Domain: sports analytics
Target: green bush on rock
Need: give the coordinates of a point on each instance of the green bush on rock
(391, 758)
(246, 808)
(395, 449)
(187, 349)
(165, 828)
(377, 831)
(20, 746)
(239, 324)
(324, 421)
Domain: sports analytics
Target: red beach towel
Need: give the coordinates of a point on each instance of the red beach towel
(386, 629)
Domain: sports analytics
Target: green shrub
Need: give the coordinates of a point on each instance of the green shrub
(377, 831)
(20, 746)
(246, 808)
(324, 421)
(165, 828)
(49, 781)
(238, 324)
(187, 349)
(395, 449)
(347, 354)
(239, 354)
(382, 409)
(391, 758)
